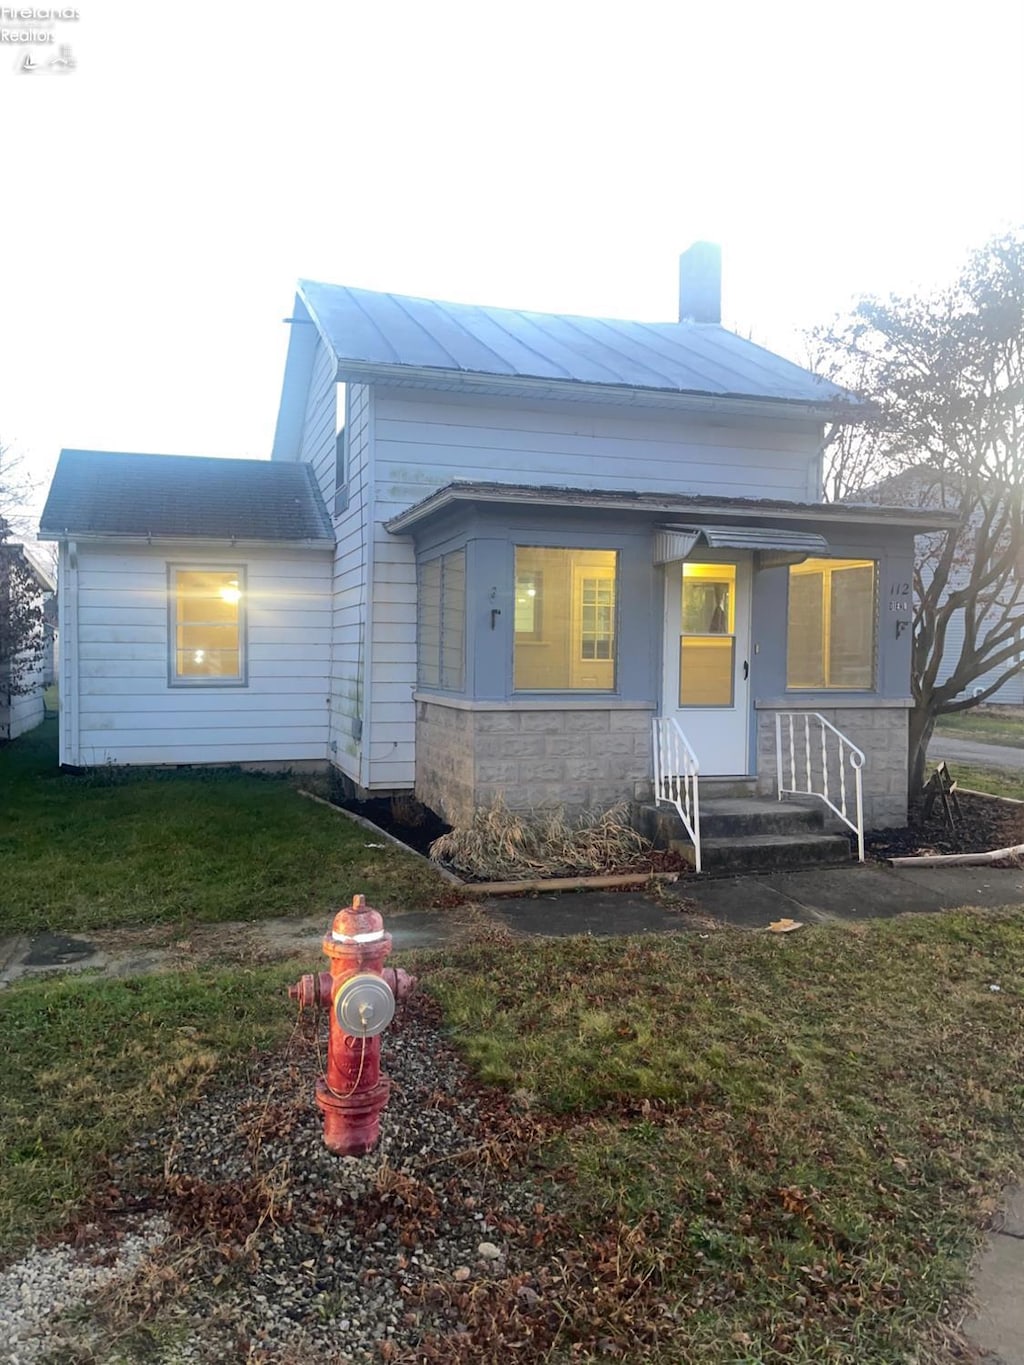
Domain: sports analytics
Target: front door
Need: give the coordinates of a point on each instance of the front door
(707, 659)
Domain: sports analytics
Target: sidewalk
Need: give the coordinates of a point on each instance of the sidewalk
(817, 896)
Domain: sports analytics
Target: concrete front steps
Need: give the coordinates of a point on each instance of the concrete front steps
(745, 833)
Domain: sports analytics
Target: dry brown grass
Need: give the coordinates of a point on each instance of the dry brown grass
(501, 843)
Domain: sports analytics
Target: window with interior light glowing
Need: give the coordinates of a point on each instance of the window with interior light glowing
(207, 625)
(566, 619)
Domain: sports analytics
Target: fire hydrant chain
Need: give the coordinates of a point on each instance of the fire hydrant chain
(360, 994)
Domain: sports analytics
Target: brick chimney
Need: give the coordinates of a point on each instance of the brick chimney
(700, 283)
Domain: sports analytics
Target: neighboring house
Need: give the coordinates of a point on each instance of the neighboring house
(490, 548)
(22, 708)
(923, 487)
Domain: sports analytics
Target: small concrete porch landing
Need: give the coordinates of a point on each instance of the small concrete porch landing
(741, 832)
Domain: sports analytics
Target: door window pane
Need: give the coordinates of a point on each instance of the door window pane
(707, 645)
(565, 619)
(831, 625)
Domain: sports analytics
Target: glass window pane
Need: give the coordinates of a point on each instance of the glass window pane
(706, 670)
(851, 644)
(428, 623)
(805, 665)
(453, 620)
(832, 620)
(566, 619)
(207, 623)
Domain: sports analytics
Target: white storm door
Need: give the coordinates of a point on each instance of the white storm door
(706, 684)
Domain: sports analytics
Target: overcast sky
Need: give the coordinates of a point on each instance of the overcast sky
(161, 198)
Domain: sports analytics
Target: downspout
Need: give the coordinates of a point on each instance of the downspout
(364, 679)
(67, 619)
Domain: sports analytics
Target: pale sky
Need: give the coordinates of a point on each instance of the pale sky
(161, 198)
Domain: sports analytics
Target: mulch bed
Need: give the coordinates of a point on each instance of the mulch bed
(986, 824)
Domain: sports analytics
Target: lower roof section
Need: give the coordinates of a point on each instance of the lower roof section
(735, 510)
(116, 495)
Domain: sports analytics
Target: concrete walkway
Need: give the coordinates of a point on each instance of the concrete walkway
(973, 751)
(816, 896)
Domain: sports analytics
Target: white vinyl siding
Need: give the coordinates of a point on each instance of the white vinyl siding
(128, 713)
(422, 441)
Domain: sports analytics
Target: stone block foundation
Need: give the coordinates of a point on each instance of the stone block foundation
(879, 731)
(536, 756)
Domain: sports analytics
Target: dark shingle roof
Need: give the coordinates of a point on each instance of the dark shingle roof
(395, 332)
(104, 492)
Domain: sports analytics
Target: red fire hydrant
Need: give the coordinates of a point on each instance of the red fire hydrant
(360, 993)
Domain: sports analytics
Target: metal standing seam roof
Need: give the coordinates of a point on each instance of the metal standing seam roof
(393, 331)
(113, 493)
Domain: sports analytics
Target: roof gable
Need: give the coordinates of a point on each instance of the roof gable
(112, 493)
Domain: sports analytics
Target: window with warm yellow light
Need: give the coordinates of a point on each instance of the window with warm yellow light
(832, 624)
(207, 620)
(707, 641)
(566, 604)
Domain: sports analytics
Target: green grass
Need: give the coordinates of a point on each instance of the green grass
(133, 847)
(1002, 726)
(788, 1142)
(87, 1065)
(998, 781)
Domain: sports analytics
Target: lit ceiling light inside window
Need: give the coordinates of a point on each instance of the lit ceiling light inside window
(231, 592)
(199, 656)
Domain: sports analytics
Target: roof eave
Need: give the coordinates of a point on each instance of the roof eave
(146, 538)
(574, 390)
(451, 495)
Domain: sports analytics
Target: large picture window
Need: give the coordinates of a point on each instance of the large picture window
(831, 625)
(565, 619)
(441, 622)
(207, 625)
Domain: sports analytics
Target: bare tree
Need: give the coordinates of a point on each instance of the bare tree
(944, 376)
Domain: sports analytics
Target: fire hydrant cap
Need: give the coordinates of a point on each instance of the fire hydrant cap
(357, 923)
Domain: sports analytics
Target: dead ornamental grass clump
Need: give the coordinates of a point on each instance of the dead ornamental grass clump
(501, 844)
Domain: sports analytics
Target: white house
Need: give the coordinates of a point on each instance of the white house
(490, 549)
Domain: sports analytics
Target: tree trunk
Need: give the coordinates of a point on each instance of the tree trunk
(921, 725)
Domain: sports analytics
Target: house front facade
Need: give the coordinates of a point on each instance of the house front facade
(539, 539)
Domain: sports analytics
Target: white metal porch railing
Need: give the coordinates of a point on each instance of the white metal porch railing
(676, 772)
(803, 740)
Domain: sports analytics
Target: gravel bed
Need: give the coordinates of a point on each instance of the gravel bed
(270, 1248)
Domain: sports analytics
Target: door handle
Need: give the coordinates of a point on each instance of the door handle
(746, 669)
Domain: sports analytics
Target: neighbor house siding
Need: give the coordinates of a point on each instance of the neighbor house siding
(423, 441)
(26, 708)
(128, 713)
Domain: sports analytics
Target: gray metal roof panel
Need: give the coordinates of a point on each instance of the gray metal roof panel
(391, 330)
(103, 492)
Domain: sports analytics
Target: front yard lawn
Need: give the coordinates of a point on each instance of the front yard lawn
(124, 847)
(745, 1149)
(986, 724)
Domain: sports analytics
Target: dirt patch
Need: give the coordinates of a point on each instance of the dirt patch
(985, 824)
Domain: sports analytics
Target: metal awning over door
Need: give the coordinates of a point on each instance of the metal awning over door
(773, 545)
